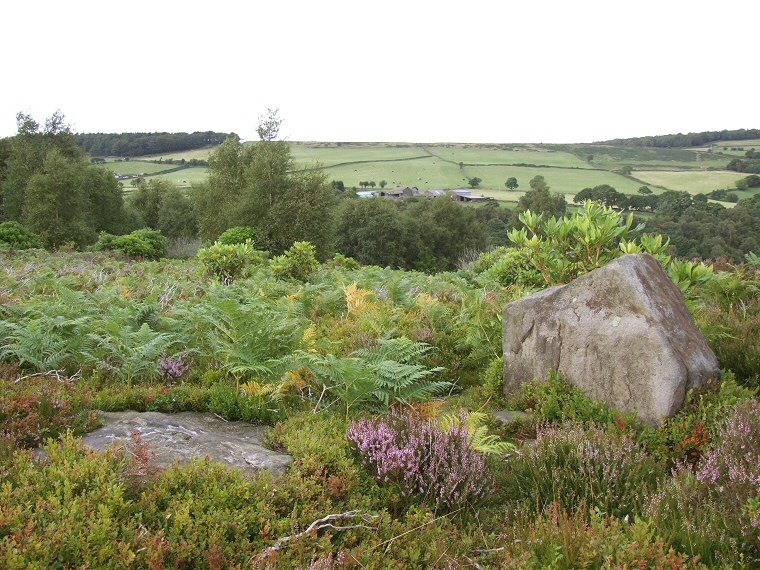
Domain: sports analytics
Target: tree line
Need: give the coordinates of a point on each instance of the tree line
(140, 144)
(687, 140)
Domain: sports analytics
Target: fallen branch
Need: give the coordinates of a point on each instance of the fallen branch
(391, 540)
(319, 524)
(56, 373)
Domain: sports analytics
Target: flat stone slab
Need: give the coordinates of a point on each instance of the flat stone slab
(511, 416)
(188, 435)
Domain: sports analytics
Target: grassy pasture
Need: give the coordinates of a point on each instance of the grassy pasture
(135, 167)
(562, 180)
(527, 154)
(691, 181)
(728, 145)
(186, 177)
(306, 153)
(198, 153)
(424, 173)
(609, 157)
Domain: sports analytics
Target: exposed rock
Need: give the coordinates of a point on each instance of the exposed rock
(511, 416)
(622, 333)
(188, 435)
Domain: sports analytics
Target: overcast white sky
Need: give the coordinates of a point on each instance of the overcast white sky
(414, 71)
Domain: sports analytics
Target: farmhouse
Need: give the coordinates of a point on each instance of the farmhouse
(399, 193)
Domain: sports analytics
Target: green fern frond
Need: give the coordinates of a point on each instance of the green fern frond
(477, 433)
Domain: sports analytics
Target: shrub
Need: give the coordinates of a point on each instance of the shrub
(563, 249)
(236, 235)
(713, 509)
(297, 263)
(685, 436)
(561, 540)
(19, 237)
(144, 243)
(421, 460)
(734, 336)
(573, 465)
(37, 408)
(508, 266)
(156, 241)
(228, 262)
(555, 400)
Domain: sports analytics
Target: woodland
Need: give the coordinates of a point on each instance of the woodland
(375, 361)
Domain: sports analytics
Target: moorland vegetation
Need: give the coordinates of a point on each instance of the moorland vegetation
(380, 381)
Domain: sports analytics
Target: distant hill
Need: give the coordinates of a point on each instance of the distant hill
(141, 144)
(688, 140)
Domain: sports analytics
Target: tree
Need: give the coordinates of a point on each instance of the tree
(256, 186)
(443, 231)
(383, 184)
(176, 214)
(46, 183)
(751, 181)
(644, 191)
(146, 201)
(511, 183)
(540, 200)
(269, 125)
(218, 200)
(474, 182)
(372, 231)
(55, 203)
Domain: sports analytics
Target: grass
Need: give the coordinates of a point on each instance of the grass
(692, 182)
(186, 177)
(305, 153)
(612, 157)
(136, 167)
(527, 154)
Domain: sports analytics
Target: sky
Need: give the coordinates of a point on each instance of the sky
(498, 71)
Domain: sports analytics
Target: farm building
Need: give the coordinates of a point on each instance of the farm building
(462, 195)
(399, 193)
(435, 193)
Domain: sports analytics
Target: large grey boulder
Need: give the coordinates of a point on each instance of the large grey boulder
(622, 333)
(187, 435)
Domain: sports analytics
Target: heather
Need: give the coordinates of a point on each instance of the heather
(382, 385)
(422, 460)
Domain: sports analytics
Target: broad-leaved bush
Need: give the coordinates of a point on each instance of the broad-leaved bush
(228, 262)
(14, 235)
(236, 235)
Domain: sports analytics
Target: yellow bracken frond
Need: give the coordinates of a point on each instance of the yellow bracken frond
(253, 388)
(356, 299)
(310, 335)
(425, 299)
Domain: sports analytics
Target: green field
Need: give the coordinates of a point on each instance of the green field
(330, 154)
(567, 168)
(489, 155)
(135, 167)
(613, 157)
(691, 181)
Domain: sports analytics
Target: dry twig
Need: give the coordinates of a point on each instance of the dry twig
(319, 524)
